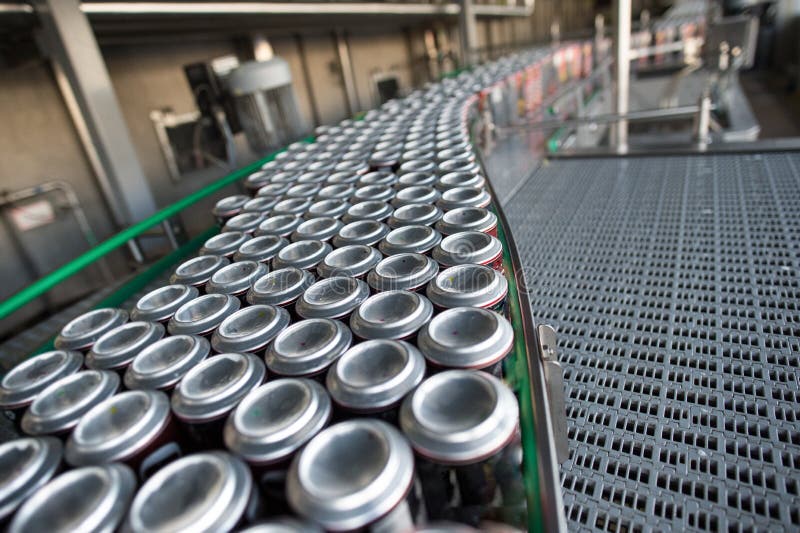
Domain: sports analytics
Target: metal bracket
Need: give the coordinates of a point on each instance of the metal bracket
(554, 380)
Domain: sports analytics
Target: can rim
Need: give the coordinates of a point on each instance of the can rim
(17, 389)
(281, 225)
(366, 232)
(160, 304)
(194, 349)
(218, 306)
(43, 460)
(467, 247)
(380, 280)
(198, 270)
(332, 297)
(260, 249)
(443, 291)
(280, 287)
(307, 347)
(118, 347)
(395, 314)
(358, 260)
(238, 333)
(413, 238)
(305, 254)
(82, 331)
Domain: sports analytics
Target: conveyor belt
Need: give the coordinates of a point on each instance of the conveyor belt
(674, 285)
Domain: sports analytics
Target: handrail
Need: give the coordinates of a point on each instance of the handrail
(47, 282)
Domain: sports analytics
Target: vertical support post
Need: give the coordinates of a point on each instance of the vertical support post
(89, 95)
(468, 31)
(312, 101)
(622, 52)
(346, 66)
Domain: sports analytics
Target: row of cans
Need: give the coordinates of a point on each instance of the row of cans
(331, 360)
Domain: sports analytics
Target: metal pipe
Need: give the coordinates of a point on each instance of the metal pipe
(622, 52)
(266, 8)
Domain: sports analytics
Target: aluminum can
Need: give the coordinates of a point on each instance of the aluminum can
(236, 279)
(273, 190)
(117, 348)
(410, 239)
(260, 249)
(197, 271)
(396, 315)
(469, 286)
(279, 225)
(337, 191)
(202, 315)
(335, 297)
(331, 207)
(417, 165)
(292, 206)
(283, 524)
(415, 194)
(414, 215)
(460, 179)
(160, 304)
(468, 219)
(464, 197)
(417, 179)
(224, 244)
(81, 332)
(379, 177)
(250, 329)
(317, 229)
(229, 207)
(404, 271)
(353, 261)
(338, 178)
(374, 193)
(163, 364)
(363, 232)
(280, 287)
(26, 464)
(308, 347)
(469, 247)
(301, 254)
(256, 180)
(303, 190)
(246, 223)
(260, 204)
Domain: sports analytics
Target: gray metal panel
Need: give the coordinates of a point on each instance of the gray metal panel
(674, 285)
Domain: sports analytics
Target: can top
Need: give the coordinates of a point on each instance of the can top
(455, 165)
(301, 254)
(281, 225)
(292, 206)
(415, 194)
(341, 191)
(283, 524)
(366, 232)
(198, 270)
(351, 474)
(414, 239)
(402, 271)
(380, 193)
(369, 210)
(118, 347)
(225, 243)
(261, 249)
(257, 179)
(375, 375)
(459, 417)
(303, 190)
(463, 197)
(446, 527)
(203, 314)
(308, 347)
(244, 222)
(272, 190)
(343, 178)
(280, 287)
(466, 337)
(260, 204)
(467, 286)
(355, 166)
(317, 228)
(105, 493)
(417, 165)
(467, 247)
(81, 332)
(162, 364)
(331, 207)
(350, 261)
(207, 491)
(212, 388)
(235, 278)
(412, 179)
(391, 315)
(466, 219)
(333, 297)
(460, 179)
(27, 464)
(414, 215)
(59, 407)
(25, 381)
(160, 304)
(276, 419)
(230, 205)
(250, 329)
(118, 427)
(378, 177)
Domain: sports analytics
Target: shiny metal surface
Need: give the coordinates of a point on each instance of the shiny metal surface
(214, 387)
(410, 239)
(318, 228)
(350, 261)
(25, 381)
(229, 206)
(245, 223)
(467, 219)
(250, 329)
(117, 348)
(308, 347)
(374, 193)
(160, 304)
(412, 179)
(236, 279)
(459, 417)
(118, 428)
(59, 407)
(202, 315)
(292, 206)
(375, 375)
(163, 364)
(25, 465)
(466, 337)
(202, 492)
(460, 179)
(328, 208)
(378, 177)
(351, 474)
(283, 525)
(468, 247)
(334, 297)
(341, 191)
(277, 419)
(364, 232)
(92, 498)
(391, 315)
(280, 287)
(280, 225)
(260, 204)
(198, 270)
(463, 197)
(467, 286)
(301, 254)
(407, 271)
(261, 249)
(415, 194)
(377, 210)
(224, 244)
(81, 332)
(414, 215)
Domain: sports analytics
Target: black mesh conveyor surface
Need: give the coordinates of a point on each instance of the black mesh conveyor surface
(673, 285)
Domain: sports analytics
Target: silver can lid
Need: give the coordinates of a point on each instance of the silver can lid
(303, 190)
(410, 239)
(408, 271)
(250, 329)
(198, 270)
(25, 465)
(301, 254)
(349, 261)
(213, 388)
(467, 247)
(277, 419)
(283, 524)
(236, 278)
(331, 207)
(163, 364)
(340, 191)
(417, 165)
(467, 219)
(261, 249)
(333, 297)
(338, 178)
(118, 427)
(354, 166)
(368, 210)
(59, 407)
(224, 244)
(292, 206)
(308, 347)
(466, 337)
(416, 179)
(160, 304)
(258, 179)
(280, 287)
(460, 179)
(365, 232)
(81, 332)
(378, 177)
(445, 167)
(456, 154)
(375, 375)
(117, 348)
(202, 492)
(273, 190)
(202, 315)
(464, 197)
(468, 286)
(384, 158)
(92, 498)
(351, 474)
(279, 225)
(261, 204)
(417, 153)
(375, 193)
(415, 194)
(459, 417)
(245, 222)
(391, 315)
(230, 206)
(414, 215)
(318, 228)
(26, 380)
(286, 176)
